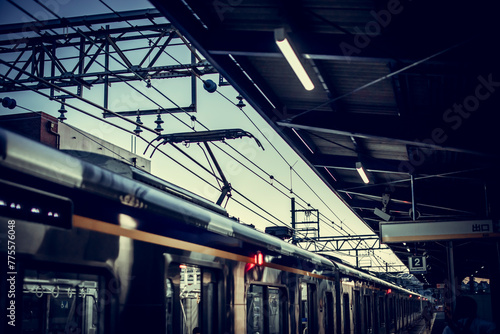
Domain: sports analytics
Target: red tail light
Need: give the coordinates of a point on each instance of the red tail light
(258, 259)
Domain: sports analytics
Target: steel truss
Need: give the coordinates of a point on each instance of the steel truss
(83, 52)
(341, 243)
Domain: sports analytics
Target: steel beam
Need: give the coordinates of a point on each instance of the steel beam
(87, 50)
(341, 243)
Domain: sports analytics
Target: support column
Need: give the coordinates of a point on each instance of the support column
(451, 275)
(294, 240)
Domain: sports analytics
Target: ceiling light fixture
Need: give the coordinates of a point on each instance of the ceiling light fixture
(291, 57)
(362, 173)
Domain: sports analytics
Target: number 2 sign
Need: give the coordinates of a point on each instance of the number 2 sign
(417, 264)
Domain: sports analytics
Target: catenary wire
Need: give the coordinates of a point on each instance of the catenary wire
(240, 203)
(285, 160)
(199, 77)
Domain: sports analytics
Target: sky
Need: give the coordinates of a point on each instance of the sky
(247, 167)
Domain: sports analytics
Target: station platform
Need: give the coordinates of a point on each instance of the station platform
(437, 325)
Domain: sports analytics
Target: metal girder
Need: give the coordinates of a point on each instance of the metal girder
(40, 56)
(144, 112)
(48, 55)
(340, 243)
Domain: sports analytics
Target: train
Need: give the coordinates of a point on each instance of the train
(106, 247)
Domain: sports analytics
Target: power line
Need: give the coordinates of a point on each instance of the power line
(161, 151)
(228, 144)
(276, 150)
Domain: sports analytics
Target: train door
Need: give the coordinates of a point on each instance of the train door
(347, 314)
(192, 299)
(266, 310)
(308, 308)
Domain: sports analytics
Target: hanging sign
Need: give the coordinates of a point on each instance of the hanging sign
(414, 231)
(417, 264)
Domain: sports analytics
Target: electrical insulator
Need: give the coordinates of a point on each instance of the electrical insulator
(240, 103)
(138, 129)
(62, 111)
(158, 122)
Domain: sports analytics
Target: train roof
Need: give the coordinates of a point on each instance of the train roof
(32, 158)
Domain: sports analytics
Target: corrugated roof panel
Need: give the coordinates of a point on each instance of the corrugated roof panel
(279, 75)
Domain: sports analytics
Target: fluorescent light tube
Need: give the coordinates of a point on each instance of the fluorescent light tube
(362, 172)
(291, 57)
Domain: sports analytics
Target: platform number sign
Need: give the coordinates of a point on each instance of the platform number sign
(417, 264)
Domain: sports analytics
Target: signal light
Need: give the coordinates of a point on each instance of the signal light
(258, 259)
(410, 296)
(389, 291)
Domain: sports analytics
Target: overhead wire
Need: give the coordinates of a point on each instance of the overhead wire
(279, 153)
(186, 112)
(60, 88)
(123, 129)
(121, 63)
(105, 121)
(199, 77)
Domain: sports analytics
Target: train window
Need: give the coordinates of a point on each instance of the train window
(347, 314)
(255, 310)
(55, 302)
(308, 308)
(198, 299)
(190, 297)
(275, 311)
(266, 309)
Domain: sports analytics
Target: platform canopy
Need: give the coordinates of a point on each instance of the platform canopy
(409, 90)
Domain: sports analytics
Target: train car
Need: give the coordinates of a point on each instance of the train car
(105, 247)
